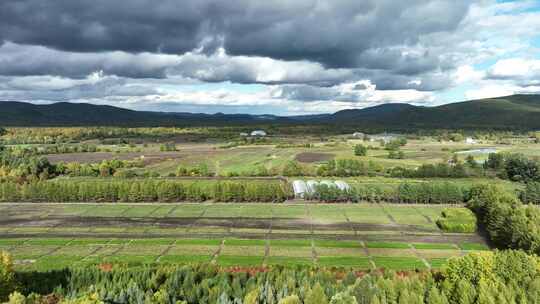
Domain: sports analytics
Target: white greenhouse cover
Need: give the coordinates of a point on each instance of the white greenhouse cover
(312, 185)
(343, 186)
(300, 188)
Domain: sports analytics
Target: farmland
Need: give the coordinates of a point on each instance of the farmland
(362, 235)
(220, 204)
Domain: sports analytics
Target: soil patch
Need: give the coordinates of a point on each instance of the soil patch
(96, 157)
(313, 157)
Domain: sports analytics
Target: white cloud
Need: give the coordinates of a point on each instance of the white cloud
(497, 90)
(468, 74)
(515, 68)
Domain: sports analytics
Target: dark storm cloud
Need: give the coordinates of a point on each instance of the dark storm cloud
(24, 60)
(62, 89)
(338, 33)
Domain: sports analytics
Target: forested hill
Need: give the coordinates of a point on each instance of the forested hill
(510, 112)
(80, 114)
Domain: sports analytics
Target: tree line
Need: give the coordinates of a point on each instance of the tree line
(501, 277)
(404, 193)
(508, 222)
(143, 191)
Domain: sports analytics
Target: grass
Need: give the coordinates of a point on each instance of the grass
(433, 246)
(239, 260)
(361, 262)
(240, 242)
(290, 243)
(473, 246)
(42, 255)
(288, 261)
(337, 244)
(175, 259)
(390, 245)
(400, 263)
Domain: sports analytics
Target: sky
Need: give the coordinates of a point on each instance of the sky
(267, 57)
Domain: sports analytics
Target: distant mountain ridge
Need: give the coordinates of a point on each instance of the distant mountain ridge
(509, 112)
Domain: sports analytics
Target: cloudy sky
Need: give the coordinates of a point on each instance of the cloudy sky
(274, 56)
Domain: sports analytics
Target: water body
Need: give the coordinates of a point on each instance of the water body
(479, 151)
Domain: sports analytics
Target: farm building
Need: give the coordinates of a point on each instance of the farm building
(358, 135)
(244, 134)
(384, 137)
(258, 133)
(470, 141)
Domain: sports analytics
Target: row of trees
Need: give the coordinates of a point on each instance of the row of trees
(406, 193)
(57, 135)
(487, 277)
(56, 149)
(143, 191)
(508, 222)
(344, 168)
(429, 170)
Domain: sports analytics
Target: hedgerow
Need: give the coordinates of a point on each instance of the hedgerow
(405, 193)
(117, 190)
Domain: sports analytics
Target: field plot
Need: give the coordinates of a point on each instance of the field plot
(51, 236)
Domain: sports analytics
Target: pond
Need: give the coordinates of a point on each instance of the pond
(478, 151)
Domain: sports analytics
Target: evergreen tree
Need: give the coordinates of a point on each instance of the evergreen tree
(252, 297)
(436, 297)
(294, 299)
(316, 295)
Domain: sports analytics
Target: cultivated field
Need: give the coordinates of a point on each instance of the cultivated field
(51, 236)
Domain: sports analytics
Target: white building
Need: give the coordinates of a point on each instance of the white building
(258, 133)
(470, 141)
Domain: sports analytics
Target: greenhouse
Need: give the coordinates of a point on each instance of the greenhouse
(300, 188)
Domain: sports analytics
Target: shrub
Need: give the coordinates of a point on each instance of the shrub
(7, 276)
(360, 150)
(531, 193)
(457, 220)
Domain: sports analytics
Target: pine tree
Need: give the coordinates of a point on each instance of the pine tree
(252, 297)
(436, 297)
(316, 295)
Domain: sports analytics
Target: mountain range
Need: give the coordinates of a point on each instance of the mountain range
(501, 113)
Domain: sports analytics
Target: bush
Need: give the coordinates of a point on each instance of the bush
(520, 168)
(457, 220)
(7, 276)
(360, 150)
(396, 154)
(531, 193)
(293, 168)
(344, 168)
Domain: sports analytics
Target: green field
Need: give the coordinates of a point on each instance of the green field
(51, 236)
